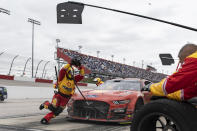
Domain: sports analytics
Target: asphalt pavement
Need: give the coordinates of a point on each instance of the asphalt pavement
(24, 115)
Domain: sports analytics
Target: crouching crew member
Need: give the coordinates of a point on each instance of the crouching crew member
(66, 88)
(181, 85)
(98, 81)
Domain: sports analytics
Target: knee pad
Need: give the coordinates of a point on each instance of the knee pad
(58, 111)
(52, 108)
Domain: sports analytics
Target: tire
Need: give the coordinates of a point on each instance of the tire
(164, 115)
(138, 105)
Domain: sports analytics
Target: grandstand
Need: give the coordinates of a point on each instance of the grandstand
(95, 66)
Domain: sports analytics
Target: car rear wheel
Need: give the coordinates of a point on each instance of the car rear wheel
(165, 115)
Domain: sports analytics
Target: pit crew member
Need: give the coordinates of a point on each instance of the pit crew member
(66, 88)
(182, 85)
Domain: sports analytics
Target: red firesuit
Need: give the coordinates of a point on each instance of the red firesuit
(66, 88)
(181, 85)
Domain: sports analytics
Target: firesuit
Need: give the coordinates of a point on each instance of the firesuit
(66, 88)
(182, 85)
(98, 81)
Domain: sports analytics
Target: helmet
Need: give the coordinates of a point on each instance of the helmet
(76, 61)
(69, 71)
(97, 80)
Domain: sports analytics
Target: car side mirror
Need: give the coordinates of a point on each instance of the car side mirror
(147, 82)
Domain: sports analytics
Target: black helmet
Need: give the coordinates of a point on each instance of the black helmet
(76, 61)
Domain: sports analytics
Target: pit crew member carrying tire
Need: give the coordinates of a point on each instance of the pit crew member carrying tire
(182, 85)
(66, 88)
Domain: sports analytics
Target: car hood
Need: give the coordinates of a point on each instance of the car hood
(106, 94)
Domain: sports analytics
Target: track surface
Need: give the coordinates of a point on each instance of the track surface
(24, 115)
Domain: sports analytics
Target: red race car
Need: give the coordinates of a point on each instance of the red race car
(114, 101)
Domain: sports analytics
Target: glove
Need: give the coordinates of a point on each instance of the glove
(55, 86)
(146, 87)
(55, 92)
(80, 67)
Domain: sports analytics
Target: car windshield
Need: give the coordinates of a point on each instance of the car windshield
(120, 85)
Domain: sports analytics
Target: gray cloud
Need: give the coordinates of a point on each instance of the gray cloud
(112, 33)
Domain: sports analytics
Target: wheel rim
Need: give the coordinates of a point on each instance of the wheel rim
(165, 124)
(158, 122)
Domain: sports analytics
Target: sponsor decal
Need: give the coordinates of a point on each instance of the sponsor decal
(91, 96)
(69, 84)
(67, 88)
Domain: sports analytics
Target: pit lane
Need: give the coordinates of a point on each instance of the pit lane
(22, 114)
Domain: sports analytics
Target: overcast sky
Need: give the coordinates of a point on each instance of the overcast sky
(124, 36)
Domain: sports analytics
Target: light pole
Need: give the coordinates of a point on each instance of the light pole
(97, 52)
(124, 60)
(142, 64)
(4, 11)
(112, 56)
(57, 41)
(58, 62)
(80, 48)
(133, 63)
(37, 23)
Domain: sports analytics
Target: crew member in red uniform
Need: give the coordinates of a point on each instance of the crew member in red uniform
(66, 88)
(182, 85)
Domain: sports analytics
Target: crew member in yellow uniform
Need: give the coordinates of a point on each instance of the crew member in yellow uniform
(182, 85)
(98, 81)
(66, 88)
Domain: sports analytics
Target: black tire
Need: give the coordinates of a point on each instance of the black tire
(168, 114)
(138, 105)
(2, 99)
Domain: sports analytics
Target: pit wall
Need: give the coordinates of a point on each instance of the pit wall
(36, 80)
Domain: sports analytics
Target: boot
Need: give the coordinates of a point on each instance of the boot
(47, 118)
(44, 121)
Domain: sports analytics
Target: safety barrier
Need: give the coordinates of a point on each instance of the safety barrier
(18, 78)
(7, 77)
(43, 80)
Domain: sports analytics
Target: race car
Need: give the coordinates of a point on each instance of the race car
(114, 101)
(3, 93)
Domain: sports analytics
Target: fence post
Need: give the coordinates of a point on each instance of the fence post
(12, 64)
(25, 65)
(37, 67)
(44, 67)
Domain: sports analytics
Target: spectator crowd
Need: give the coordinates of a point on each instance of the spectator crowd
(105, 67)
